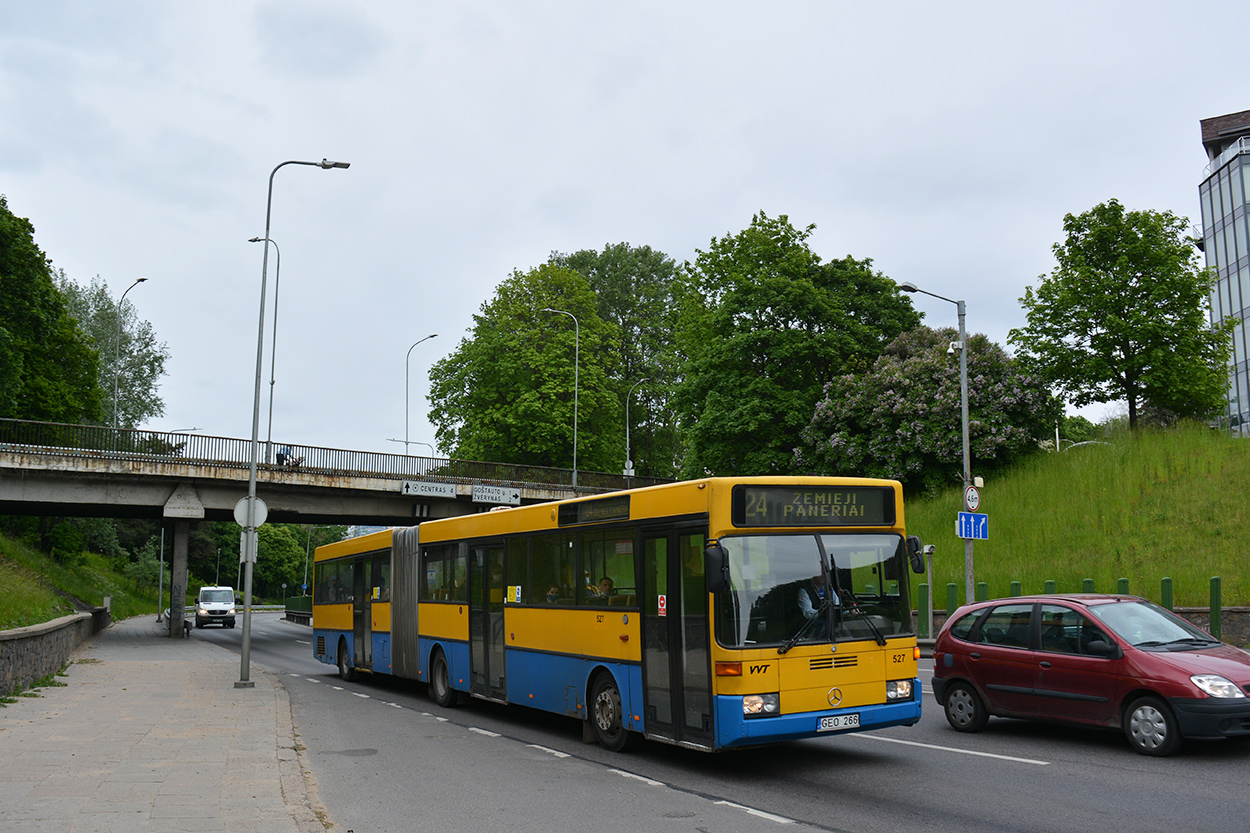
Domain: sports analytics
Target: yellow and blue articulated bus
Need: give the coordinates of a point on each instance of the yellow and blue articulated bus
(712, 614)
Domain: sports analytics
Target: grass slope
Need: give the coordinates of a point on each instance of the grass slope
(1159, 504)
(30, 581)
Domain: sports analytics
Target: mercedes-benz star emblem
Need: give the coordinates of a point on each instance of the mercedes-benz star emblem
(835, 697)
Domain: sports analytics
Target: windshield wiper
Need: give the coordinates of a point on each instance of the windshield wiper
(825, 604)
(1193, 641)
(876, 634)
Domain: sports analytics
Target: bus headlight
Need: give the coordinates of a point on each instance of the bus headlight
(898, 690)
(761, 705)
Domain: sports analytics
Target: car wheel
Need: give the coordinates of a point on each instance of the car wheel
(440, 682)
(606, 716)
(346, 672)
(964, 710)
(1151, 727)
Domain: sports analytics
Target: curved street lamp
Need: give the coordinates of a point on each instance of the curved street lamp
(577, 338)
(962, 347)
(408, 356)
(117, 350)
(629, 463)
(273, 339)
(249, 529)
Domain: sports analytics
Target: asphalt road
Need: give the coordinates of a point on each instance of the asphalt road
(386, 758)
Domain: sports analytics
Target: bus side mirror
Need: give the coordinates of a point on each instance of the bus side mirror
(915, 553)
(717, 561)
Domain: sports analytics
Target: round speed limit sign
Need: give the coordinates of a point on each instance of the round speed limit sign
(972, 498)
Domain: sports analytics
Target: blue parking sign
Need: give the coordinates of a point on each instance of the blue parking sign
(973, 525)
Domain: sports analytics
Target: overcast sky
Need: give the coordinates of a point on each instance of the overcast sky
(944, 141)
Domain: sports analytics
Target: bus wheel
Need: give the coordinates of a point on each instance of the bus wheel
(440, 682)
(346, 672)
(606, 716)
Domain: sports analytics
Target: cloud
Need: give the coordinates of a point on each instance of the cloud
(303, 40)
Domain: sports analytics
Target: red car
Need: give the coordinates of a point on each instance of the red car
(1114, 661)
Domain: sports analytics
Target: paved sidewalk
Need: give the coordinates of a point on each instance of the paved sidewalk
(150, 734)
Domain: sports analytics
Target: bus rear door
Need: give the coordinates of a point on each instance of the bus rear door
(486, 642)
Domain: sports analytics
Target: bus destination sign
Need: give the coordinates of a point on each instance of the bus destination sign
(813, 506)
(597, 510)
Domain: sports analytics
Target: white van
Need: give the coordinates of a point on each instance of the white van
(215, 607)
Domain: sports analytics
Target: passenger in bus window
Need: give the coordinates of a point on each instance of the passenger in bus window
(553, 593)
(606, 588)
(811, 597)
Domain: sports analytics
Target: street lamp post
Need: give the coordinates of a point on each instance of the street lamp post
(406, 358)
(273, 338)
(249, 529)
(117, 350)
(969, 574)
(577, 340)
(629, 463)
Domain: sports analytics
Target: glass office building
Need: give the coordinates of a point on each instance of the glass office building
(1224, 192)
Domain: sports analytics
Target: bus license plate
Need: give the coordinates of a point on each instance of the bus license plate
(838, 721)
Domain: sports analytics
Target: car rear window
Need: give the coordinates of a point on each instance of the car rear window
(1007, 625)
(963, 625)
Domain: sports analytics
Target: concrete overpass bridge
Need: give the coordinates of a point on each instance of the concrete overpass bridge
(92, 471)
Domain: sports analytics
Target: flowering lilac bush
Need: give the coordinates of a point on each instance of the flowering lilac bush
(901, 419)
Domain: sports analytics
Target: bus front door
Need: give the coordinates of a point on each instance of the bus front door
(676, 671)
(486, 642)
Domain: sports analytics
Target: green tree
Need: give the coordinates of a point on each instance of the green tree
(138, 360)
(279, 560)
(636, 287)
(902, 419)
(765, 325)
(1123, 316)
(48, 369)
(505, 394)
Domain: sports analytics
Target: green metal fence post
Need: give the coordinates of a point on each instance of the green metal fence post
(1165, 592)
(952, 598)
(1049, 587)
(923, 627)
(1121, 586)
(983, 591)
(1087, 585)
(1016, 589)
(1215, 607)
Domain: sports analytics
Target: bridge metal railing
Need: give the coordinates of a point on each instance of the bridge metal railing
(101, 442)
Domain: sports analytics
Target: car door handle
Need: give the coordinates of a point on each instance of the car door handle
(974, 655)
(1045, 664)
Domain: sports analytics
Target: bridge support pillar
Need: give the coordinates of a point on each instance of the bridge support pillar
(178, 572)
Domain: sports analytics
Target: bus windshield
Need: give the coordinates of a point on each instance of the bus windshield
(778, 592)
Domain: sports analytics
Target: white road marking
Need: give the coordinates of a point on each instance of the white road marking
(867, 736)
(625, 774)
(484, 732)
(365, 696)
(548, 751)
(759, 813)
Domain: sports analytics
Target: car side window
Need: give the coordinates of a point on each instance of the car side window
(1061, 630)
(1007, 625)
(1064, 631)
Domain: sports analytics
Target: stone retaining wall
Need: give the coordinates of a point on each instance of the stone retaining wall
(29, 654)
